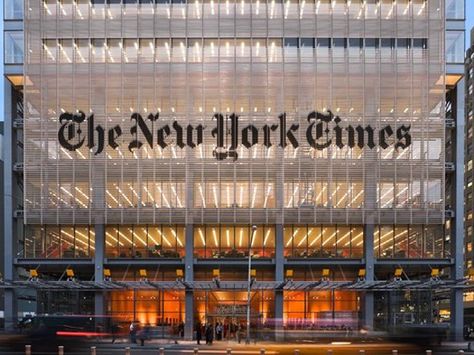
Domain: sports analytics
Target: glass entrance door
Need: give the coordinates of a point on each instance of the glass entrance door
(228, 310)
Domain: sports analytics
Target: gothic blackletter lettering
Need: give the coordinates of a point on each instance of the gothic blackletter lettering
(163, 132)
(384, 133)
(114, 133)
(284, 133)
(71, 123)
(266, 134)
(403, 136)
(91, 135)
(179, 134)
(140, 123)
(361, 136)
(320, 131)
(189, 136)
(245, 136)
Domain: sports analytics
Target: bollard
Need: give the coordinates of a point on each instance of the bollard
(60, 350)
(297, 352)
(461, 352)
(196, 351)
(394, 352)
(162, 351)
(93, 352)
(429, 352)
(127, 350)
(262, 351)
(229, 351)
(27, 349)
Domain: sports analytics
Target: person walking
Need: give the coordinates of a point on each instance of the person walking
(198, 332)
(144, 334)
(181, 329)
(209, 334)
(114, 329)
(219, 331)
(239, 333)
(133, 333)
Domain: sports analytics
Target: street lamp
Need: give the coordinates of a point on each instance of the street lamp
(254, 229)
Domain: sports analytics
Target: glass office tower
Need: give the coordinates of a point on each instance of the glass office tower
(170, 140)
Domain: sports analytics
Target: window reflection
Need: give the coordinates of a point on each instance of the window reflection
(409, 241)
(324, 194)
(242, 50)
(13, 9)
(234, 195)
(53, 242)
(13, 47)
(323, 241)
(233, 241)
(455, 46)
(146, 241)
(409, 194)
(320, 310)
(455, 9)
(145, 194)
(98, 50)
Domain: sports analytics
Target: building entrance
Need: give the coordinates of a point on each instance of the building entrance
(226, 312)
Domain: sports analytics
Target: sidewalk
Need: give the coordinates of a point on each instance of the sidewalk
(219, 345)
(180, 343)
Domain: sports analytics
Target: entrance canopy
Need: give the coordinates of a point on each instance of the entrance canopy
(361, 285)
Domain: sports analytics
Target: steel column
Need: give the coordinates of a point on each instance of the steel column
(279, 276)
(457, 230)
(9, 145)
(189, 277)
(99, 302)
(368, 307)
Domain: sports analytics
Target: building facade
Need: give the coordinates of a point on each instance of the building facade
(165, 142)
(469, 100)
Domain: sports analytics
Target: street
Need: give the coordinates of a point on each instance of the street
(242, 349)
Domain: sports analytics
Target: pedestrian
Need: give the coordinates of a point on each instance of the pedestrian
(239, 333)
(198, 332)
(218, 331)
(141, 336)
(181, 329)
(133, 333)
(114, 330)
(209, 334)
(144, 334)
(233, 329)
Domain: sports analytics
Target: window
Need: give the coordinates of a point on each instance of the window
(420, 43)
(410, 241)
(228, 194)
(52, 242)
(372, 43)
(13, 9)
(233, 241)
(144, 241)
(455, 46)
(323, 241)
(13, 47)
(455, 9)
